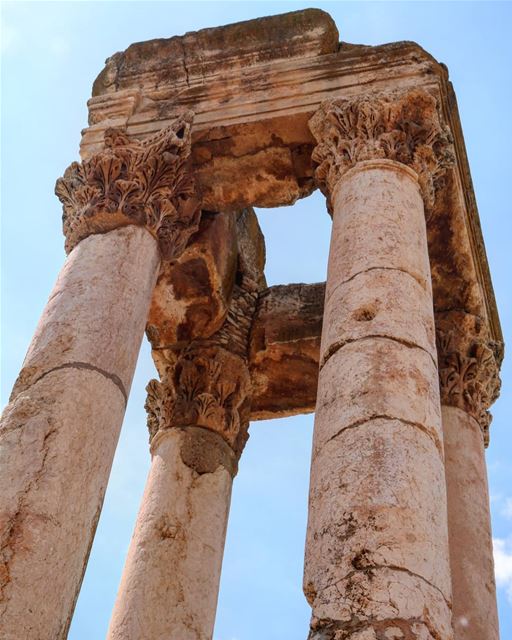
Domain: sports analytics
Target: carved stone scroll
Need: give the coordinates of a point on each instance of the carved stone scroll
(208, 388)
(144, 182)
(396, 126)
(469, 364)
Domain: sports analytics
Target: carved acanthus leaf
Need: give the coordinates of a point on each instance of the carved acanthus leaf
(134, 182)
(207, 387)
(404, 127)
(469, 374)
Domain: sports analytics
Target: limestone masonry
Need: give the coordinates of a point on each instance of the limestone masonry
(398, 352)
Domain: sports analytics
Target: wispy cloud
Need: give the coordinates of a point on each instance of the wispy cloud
(10, 36)
(503, 564)
(506, 510)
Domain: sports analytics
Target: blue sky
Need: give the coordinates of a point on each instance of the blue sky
(51, 53)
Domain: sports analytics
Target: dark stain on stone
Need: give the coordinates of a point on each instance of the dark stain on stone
(204, 451)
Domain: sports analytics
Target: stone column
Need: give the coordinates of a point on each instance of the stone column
(377, 563)
(123, 209)
(198, 421)
(469, 379)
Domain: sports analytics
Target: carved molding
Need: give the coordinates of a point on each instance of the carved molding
(207, 387)
(469, 367)
(145, 183)
(404, 127)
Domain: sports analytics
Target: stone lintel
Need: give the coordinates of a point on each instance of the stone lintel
(195, 56)
(284, 350)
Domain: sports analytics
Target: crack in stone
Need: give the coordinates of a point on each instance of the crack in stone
(184, 60)
(7, 546)
(352, 277)
(342, 343)
(88, 367)
(378, 416)
(328, 629)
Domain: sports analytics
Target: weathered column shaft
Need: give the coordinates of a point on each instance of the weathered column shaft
(171, 578)
(377, 562)
(59, 432)
(468, 366)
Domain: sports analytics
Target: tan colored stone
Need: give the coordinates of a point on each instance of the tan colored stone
(388, 220)
(251, 143)
(377, 601)
(284, 350)
(377, 378)
(192, 294)
(57, 442)
(145, 183)
(475, 615)
(96, 313)
(374, 304)
(376, 478)
(377, 541)
(198, 417)
(60, 430)
(170, 582)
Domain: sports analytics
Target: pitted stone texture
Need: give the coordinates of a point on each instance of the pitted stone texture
(380, 224)
(377, 540)
(377, 377)
(299, 34)
(372, 605)
(375, 303)
(170, 581)
(475, 616)
(57, 442)
(62, 425)
(376, 479)
(96, 313)
(284, 350)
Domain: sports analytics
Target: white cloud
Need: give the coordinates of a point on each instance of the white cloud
(506, 511)
(10, 37)
(59, 45)
(503, 564)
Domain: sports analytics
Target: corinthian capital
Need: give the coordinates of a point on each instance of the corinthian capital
(469, 365)
(207, 387)
(404, 127)
(145, 183)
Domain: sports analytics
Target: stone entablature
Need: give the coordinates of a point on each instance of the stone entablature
(251, 144)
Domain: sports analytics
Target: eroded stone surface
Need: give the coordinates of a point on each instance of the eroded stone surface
(96, 313)
(60, 429)
(192, 294)
(375, 479)
(374, 304)
(170, 581)
(57, 443)
(252, 145)
(373, 378)
(284, 350)
(378, 409)
(144, 183)
(390, 228)
(198, 419)
(298, 34)
(475, 614)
